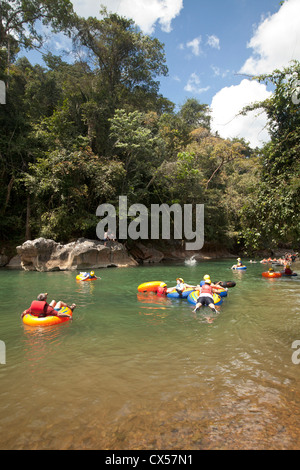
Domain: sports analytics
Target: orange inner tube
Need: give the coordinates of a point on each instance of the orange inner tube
(270, 275)
(150, 286)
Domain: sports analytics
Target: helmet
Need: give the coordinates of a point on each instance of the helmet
(180, 279)
(271, 270)
(239, 259)
(92, 273)
(207, 281)
(207, 276)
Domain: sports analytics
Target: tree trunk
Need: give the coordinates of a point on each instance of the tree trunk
(28, 228)
(9, 188)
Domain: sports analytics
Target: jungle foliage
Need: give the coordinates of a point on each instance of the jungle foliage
(76, 135)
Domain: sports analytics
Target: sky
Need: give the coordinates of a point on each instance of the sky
(212, 49)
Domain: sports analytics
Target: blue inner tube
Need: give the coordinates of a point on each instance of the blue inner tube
(240, 268)
(222, 293)
(175, 295)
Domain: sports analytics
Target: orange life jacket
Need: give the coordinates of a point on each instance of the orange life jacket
(206, 289)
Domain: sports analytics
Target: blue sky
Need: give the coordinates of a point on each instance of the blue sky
(212, 47)
(223, 28)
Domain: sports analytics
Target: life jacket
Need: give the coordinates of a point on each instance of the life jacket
(162, 290)
(38, 308)
(206, 289)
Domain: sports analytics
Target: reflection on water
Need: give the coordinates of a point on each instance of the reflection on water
(39, 342)
(141, 371)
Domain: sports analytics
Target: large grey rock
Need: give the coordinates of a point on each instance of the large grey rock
(43, 254)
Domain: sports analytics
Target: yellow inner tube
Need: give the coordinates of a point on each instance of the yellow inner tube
(31, 320)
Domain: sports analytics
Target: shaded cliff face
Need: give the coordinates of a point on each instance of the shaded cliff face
(47, 255)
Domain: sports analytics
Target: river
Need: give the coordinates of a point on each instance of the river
(139, 371)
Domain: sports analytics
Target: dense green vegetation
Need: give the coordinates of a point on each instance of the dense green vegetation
(76, 135)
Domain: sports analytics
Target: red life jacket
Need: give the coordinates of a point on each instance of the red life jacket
(162, 290)
(206, 289)
(38, 308)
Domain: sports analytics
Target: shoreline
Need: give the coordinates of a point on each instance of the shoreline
(83, 254)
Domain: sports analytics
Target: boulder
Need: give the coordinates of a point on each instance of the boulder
(43, 254)
(15, 263)
(146, 254)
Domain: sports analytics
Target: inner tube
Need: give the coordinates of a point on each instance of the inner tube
(193, 296)
(271, 275)
(31, 320)
(85, 277)
(175, 295)
(150, 286)
(288, 275)
(240, 268)
(227, 284)
(221, 292)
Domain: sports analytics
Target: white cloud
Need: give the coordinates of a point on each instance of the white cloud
(213, 41)
(193, 85)
(218, 72)
(226, 105)
(276, 41)
(195, 45)
(145, 13)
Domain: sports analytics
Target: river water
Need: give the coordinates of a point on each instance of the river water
(138, 371)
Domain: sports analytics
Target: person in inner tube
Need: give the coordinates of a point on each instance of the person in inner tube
(214, 285)
(53, 308)
(238, 264)
(288, 270)
(180, 286)
(206, 297)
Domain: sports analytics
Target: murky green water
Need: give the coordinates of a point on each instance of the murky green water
(143, 372)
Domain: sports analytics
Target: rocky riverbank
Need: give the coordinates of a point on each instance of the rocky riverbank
(44, 254)
(47, 255)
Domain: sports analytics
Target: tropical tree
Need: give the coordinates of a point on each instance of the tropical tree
(126, 65)
(272, 216)
(18, 23)
(195, 114)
